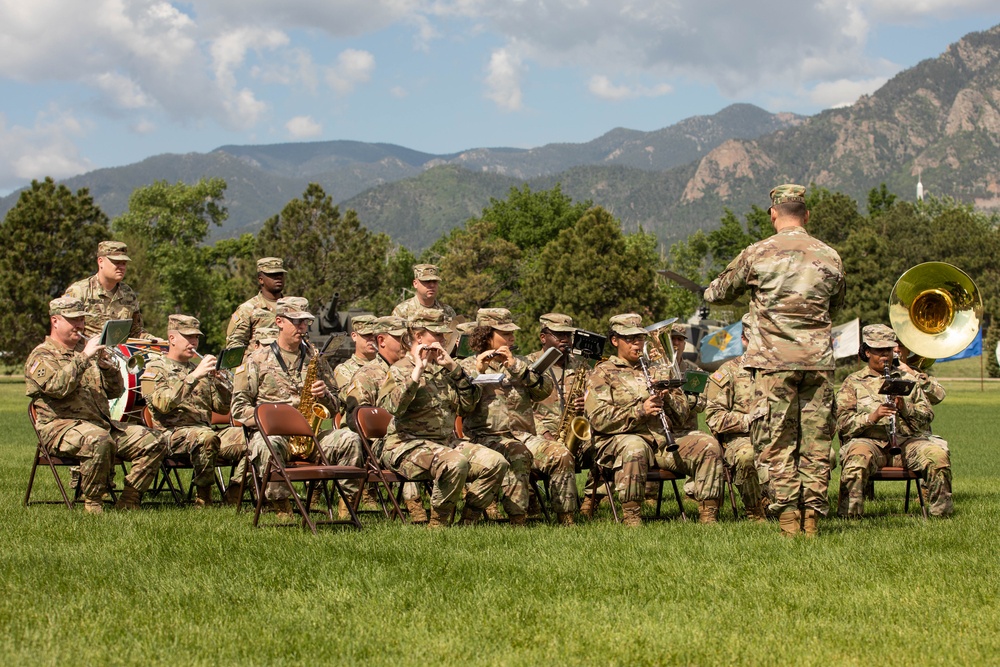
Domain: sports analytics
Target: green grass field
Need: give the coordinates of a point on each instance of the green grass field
(175, 586)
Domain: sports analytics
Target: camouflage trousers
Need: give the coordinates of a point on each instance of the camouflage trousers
(201, 444)
(97, 447)
(553, 460)
(927, 456)
(699, 458)
(631, 457)
(232, 449)
(517, 482)
(341, 447)
(793, 439)
(739, 456)
(466, 466)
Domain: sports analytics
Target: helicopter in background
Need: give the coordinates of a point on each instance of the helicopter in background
(699, 326)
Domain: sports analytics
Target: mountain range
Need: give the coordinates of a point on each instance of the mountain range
(939, 121)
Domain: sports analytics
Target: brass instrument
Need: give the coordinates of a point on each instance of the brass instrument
(573, 427)
(657, 353)
(936, 310)
(300, 446)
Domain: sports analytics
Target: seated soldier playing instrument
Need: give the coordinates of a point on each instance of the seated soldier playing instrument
(728, 413)
(276, 373)
(70, 380)
(182, 396)
(424, 391)
(502, 419)
(864, 422)
(628, 433)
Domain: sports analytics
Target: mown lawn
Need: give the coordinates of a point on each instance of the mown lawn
(175, 586)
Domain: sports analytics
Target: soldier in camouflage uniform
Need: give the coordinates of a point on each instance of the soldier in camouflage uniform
(795, 282)
(274, 374)
(503, 420)
(69, 381)
(182, 396)
(104, 295)
(425, 391)
(932, 389)
(363, 335)
(258, 311)
(426, 279)
(628, 433)
(863, 423)
(729, 410)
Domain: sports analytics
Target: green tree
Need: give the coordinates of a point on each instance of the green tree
(164, 227)
(50, 241)
(832, 215)
(397, 282)
(480, 270)
(529, 219)
(732, 236)
(233, 268)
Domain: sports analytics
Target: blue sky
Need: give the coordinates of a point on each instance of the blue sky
(103, 83)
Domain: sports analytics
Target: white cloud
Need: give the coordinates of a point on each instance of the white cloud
(843, 92)
(143, 126)
(503, 79)
(353, 67)
(602, 87)
(46, 149)
(122, 91)
(398, 92)
(303, 127)
(899, 11)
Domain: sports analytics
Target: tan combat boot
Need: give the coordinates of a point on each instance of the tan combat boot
(94, 506)
(203, 497)
(518, 519)
(342, 512)
(232, 494)
(441, 516)
(470, 516)
(790, 521)
(589, 506)
(756, 513)
(631, 516)
(708, 511)
(809, 526)
(565, 519)
(283, 509)
(534, 509)
(417, 512)
(128, 500)
(493, 511)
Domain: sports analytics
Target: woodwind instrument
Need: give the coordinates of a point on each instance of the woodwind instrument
(301, 446)
(573, 427)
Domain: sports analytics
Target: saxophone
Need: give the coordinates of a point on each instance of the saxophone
(301, 446)
(572, 426)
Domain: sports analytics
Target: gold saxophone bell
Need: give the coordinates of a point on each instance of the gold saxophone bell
(936, 310)
(579, 431)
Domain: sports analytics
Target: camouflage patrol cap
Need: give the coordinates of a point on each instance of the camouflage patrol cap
(788, 192)
(184, 325)
(878, 336)
(430, 319)
(394, 326)
(557, 322)
(426, 272)
(271, 265)
(496, 318)
(114, 250)
(363, 325)
(293, 308)
(629, 324)
(67, 306)
(678, 330)
(265, 335)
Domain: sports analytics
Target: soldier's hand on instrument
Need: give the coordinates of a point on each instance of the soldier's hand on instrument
(204, 367)
(318, 389)
(652, 406)
(578, 403)
(442, 357)
(883, 410)
(483, 359)
(508, 356)
(92, 347)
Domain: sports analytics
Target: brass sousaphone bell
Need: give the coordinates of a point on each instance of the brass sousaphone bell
(935, 309)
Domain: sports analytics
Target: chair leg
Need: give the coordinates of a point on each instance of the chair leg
(727, 480)
(920, 496)
(906, 502)
(355, 521)
(611, 497)
(659, 498)
(677, 497)
(542, 500)
(31, 479)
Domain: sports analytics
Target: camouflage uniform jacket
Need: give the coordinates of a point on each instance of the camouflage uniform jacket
(858, 397)
(505, 408)
(65, 385)
(933, 390)
(344, 371)
(174, 401)
(616, 391)
(121, 303)
(549, 410)
(696, 402)
(795, 281)
(363, 387)
(268, 382)
(424, 410)
(248, 317)
(407, 308)
(730, 401)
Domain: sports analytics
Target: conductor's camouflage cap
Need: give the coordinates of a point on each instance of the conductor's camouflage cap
(557, 322)
(426, 272)
(788, 192)
(293, 308)
(114, 250)
(67, 306)
(430, 319)
(394, 326)
(184, 324)
(496, 318)
(270, 265)
(629, 324)
(363, 325)
(878, 336)
(678, 330)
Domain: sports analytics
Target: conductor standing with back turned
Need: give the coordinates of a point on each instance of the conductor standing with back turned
(795, 282)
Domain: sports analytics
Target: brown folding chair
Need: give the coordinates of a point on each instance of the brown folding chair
(606, 477)
(281, 419)
(42, 456)
(167, 475)
(900, 474)
(371, 424)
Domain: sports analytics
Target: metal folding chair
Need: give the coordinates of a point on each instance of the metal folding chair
(371, 424)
